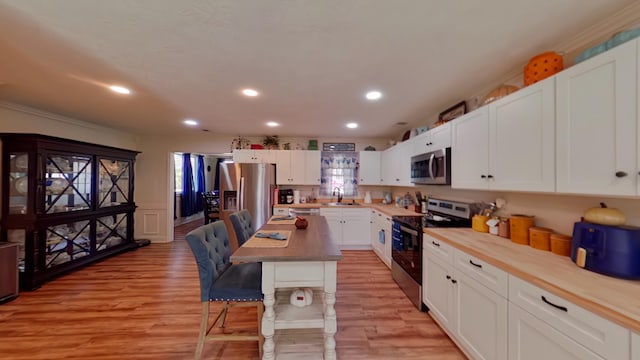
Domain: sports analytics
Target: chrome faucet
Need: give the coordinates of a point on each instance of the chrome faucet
(339, 193)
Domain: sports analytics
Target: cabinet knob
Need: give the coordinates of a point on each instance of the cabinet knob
(448, 277)
(483, 176)
(490, 176)
(621, 174)
(454, 281)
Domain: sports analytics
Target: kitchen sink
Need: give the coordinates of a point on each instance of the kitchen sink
(340, 204)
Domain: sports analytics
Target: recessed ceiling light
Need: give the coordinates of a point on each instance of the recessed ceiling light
(190, 122)
(352, 125)
(250, 92)
(120, 89)
(272, 124)
(373, 95)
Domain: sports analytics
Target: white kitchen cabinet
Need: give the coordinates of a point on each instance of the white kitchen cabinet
(369, 168)
(470, 150)
(434, 139)
(509, 144)
(396, 165)
(437, 290)
(381, 236)
(532, 339)
(349, 227)
(481, 319)
(248, 156)
(297, 167)
(312, 167)
(470, 312)
(596, 124)
(635, 346)
(281, 211)
(599, 335)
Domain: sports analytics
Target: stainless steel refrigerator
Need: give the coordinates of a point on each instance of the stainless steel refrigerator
(247, 186)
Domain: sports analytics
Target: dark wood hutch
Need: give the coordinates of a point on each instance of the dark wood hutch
(66, 203)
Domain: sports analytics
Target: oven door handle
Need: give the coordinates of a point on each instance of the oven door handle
(408, 230)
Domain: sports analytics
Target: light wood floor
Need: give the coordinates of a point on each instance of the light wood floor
(144, 304)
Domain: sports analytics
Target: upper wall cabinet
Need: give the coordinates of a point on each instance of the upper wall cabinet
(596, 124)
(297, 167)
(396, 165)
(254, 156)
(369, 168)
(507, 145)
(434, 139)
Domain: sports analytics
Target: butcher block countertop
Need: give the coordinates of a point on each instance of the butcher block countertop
(311, 244)
(390, 210)
(615, 299)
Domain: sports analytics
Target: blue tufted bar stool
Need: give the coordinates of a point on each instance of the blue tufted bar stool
(234, 285)
(242, 225)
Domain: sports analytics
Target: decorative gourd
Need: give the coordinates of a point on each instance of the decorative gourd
(605, 215)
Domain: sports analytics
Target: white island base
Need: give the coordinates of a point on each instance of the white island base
(292, 332)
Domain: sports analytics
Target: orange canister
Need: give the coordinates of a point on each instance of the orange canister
(560, 244)
(519, 228)
(479, 223)
(539, 238)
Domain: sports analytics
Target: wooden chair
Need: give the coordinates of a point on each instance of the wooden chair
(222, 281)
(211, 206)
(242, 225)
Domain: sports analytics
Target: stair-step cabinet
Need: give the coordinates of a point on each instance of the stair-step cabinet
(65, 203)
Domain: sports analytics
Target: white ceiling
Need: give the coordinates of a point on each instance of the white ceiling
(311, 59)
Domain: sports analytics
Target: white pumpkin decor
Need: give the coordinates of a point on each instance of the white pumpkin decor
(301, 297)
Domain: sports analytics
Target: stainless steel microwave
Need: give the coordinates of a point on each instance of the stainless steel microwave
(432, 168)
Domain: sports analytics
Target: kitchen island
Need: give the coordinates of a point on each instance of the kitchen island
(308, 261)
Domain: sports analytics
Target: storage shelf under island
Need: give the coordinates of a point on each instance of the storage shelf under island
(309, 261)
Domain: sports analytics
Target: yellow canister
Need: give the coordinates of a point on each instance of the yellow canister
(519, 228)
(479, 223)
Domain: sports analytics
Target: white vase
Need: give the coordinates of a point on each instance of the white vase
(367, 197)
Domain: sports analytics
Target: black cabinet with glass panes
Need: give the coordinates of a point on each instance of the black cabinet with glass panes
(65, 203)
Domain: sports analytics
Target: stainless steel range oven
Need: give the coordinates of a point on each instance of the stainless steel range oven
(406, 237)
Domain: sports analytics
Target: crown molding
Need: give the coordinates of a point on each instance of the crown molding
(57, 117)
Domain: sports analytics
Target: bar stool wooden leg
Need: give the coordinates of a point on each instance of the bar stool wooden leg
(204, 324)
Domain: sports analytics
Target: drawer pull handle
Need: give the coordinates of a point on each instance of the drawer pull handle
(435, 243)
(474, 264)
(554, 305)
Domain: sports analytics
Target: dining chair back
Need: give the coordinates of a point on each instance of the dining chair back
(233, 285)
(242, 225)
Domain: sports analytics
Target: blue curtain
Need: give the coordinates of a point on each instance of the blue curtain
(200, 186)
(188, 204)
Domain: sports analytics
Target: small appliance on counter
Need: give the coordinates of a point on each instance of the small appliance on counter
(286, 196)
(608, 250)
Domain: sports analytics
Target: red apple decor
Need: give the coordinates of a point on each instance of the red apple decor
(301, 223)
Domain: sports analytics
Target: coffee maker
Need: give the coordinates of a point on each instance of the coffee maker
(285, 196)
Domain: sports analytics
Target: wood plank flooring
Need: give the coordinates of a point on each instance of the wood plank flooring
(144, 304)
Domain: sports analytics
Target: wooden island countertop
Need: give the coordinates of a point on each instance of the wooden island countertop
(615, 299)
(311, 244)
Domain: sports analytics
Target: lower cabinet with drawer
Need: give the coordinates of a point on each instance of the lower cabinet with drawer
(468, 302)
(558, 329)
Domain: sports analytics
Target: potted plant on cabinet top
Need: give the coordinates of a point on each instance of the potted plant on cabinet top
(271, 142)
